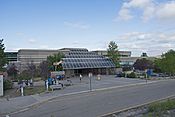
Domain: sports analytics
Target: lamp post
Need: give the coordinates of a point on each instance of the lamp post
(146, 77)
(1, 85)
(90, 75)
(22, 91)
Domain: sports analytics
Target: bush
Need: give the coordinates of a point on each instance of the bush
(131, 75)
(24, 76)
(8, 84)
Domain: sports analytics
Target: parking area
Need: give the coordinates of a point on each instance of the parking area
(93, 83)
(104, 81)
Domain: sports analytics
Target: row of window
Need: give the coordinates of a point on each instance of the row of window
(83, 56)
(84, 53)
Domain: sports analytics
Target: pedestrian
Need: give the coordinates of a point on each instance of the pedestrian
(47, 84)
(26, 82)
(31, 82)
(98, 77)
(80, 77)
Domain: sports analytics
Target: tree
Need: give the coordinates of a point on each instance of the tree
(44, 69)
(167, 62)
(112, 53)
(143, 64)
(12, 70)
(3, 59)
(53, 59)
(144, 54)
(31, 68)
(24, 75)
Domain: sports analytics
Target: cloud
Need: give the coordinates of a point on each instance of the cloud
(147, 6)
(77, 25)
(75, 43)
(154, 43)
(135, 36)
(150, 9)
(124, 14)
(20, 34)
(148, 13)
(138, 3)
(43, 47)
(166, 11)
(12, 49)
(32, 41)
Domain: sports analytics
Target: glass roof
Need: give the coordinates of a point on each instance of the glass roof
(84, 60)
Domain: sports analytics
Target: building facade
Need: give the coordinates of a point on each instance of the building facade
(11, 56)
(121, 53)
(76, 60)
(125, 57)
(81, 61)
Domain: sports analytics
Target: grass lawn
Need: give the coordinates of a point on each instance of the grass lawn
(158, 109)
(34, 90)
(11, 93)
(36, 79)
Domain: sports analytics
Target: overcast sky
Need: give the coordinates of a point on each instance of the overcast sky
(135, 25)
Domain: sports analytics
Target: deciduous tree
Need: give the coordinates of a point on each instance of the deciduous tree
(31, 68)
(12, 71)
(53, 59)
(167, 62)
(44, 69)
(143, 64)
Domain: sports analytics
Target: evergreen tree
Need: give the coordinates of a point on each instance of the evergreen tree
(113, 53)
(3, 59)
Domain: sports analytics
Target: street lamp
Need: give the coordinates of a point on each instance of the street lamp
(90, 75)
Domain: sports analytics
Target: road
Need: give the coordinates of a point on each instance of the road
(98, 103)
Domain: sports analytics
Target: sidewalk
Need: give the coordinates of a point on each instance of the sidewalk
(21, 103)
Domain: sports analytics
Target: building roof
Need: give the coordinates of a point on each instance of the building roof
(86, 60)
(74, 49)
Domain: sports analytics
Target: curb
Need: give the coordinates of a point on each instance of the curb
(137, 106)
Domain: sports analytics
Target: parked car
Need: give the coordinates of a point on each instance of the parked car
(163, 75)
(155, 75)
(120, 74)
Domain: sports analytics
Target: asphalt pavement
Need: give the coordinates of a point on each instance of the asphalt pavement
(78, 97)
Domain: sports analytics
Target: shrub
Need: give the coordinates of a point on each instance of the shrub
(25, 75)
(131, 75)
(8, 84)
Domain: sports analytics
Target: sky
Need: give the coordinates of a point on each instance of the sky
(135, 25)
